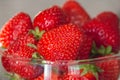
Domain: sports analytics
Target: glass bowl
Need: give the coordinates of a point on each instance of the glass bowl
(30, 69)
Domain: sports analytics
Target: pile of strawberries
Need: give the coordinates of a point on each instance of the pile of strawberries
(62, 33)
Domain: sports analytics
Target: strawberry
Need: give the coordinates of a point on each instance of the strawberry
(78, 15)
(82, 72)
(18, 57)
(88, 76)
(103, 34)
(61, 43)
(50, 18)
(110, 67)
(51, 76)
(17, 25)
(71, 77)
(109, 18)
(84, 53)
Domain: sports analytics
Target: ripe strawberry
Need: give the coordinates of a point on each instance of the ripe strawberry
(88, 76)
(76, 12)
(51, 76)
(103, 34)
(82, 72)
(18, 56)
(17, 25)
(110, 67)
(109, 18)
(61, 43)
(50, 18)
(71, 77)
(84, 53)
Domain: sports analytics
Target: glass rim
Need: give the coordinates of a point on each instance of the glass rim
(90, 60)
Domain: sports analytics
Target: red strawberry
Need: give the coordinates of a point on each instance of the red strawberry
(84, 53)
(50, 18)
(71, 77)
(109, 18)
(110, 67)
(61, 43)
(88, 76)
(103, 34)
(18, 56)
(17, 25)
(51, 76)
(82, 72)
(76, 12)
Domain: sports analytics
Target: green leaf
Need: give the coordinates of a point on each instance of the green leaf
(94, 48)
(32, 45)
(37, 30)
(101, 50)
(108, 50)
(94, 51)
(36, 55)
(37, 33)
(90, 68)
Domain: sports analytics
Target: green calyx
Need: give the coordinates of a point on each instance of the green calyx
(102, 50)
(90, 68)
(37, 33)
(36, 56)
(32, 45)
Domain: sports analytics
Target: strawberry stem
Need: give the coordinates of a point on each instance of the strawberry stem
(36, 56)
(37, 33)
(90, 68)
(102, 50)
(32, 45)
(108, 50)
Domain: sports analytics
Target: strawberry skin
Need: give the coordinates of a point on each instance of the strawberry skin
(52, 76)
(109, 18)
(84, 53)
(82, 72)
(50, 18)
(87, 77)
(21, 53)
(103, 34)
(61, 43)
(17, 25)
(71, 77)
(76, 12)
(110, 67)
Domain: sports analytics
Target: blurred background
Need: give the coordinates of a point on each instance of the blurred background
(9, 7)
